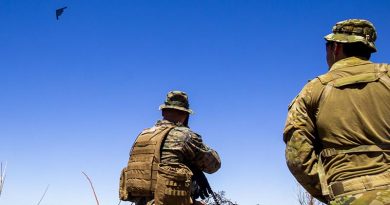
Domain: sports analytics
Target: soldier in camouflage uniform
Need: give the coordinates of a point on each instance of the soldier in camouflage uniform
(168, 179)
(337, 132)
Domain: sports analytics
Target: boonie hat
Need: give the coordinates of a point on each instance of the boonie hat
(352, 31)
(177, 100)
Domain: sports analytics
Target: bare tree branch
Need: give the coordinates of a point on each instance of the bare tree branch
(304, 198)
(220, 196)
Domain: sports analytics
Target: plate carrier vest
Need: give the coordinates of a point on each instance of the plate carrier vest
(138, 179)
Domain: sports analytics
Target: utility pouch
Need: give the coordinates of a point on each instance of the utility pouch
(173, 185)
(123, 193)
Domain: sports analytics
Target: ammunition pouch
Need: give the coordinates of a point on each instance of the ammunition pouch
(123, 193)
(173, 185)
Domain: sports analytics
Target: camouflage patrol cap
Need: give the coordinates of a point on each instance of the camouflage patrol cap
(177, 100)
(352, 31)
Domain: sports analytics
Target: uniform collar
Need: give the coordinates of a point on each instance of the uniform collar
(166, 122)
(349, 62)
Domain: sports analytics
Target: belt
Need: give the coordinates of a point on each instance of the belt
(330, 152)
(359, 184)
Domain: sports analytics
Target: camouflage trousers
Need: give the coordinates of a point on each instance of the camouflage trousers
(194, 203)
(373, 197)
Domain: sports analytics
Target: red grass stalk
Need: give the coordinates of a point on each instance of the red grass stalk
(93, 189)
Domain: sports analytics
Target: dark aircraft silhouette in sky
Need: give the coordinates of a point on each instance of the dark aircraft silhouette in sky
(60, 11)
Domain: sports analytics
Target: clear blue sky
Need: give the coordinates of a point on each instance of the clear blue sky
(74, 93)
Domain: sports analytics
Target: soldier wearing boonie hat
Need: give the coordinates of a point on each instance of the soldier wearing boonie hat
(178, 154)
(338, 127)
(354, 31)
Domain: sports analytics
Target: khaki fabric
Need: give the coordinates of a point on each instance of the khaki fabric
(342, 109)
(139, 177)
(359, 185)
(173, 185)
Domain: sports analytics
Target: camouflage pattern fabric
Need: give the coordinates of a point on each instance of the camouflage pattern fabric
(352, 31)
(375, 197)
(346, 107)
(177, 100)
(183, 146)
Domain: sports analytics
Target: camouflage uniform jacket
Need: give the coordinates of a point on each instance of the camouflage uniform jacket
(186, 147)
(344, 117)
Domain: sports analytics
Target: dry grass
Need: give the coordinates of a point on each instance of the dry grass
(2, 176)
(93, 189)
(43, 195)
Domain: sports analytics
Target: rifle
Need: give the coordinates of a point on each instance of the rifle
(204, 185)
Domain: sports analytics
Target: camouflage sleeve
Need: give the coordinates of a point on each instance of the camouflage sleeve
(202, 156)
(301, 142)
(184, 146)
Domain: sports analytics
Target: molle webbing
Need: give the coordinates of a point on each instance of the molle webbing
(173, 185)
(141, 171)
(330, 152)
(359, 184)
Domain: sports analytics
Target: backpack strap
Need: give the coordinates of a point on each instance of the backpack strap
(326, 80)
